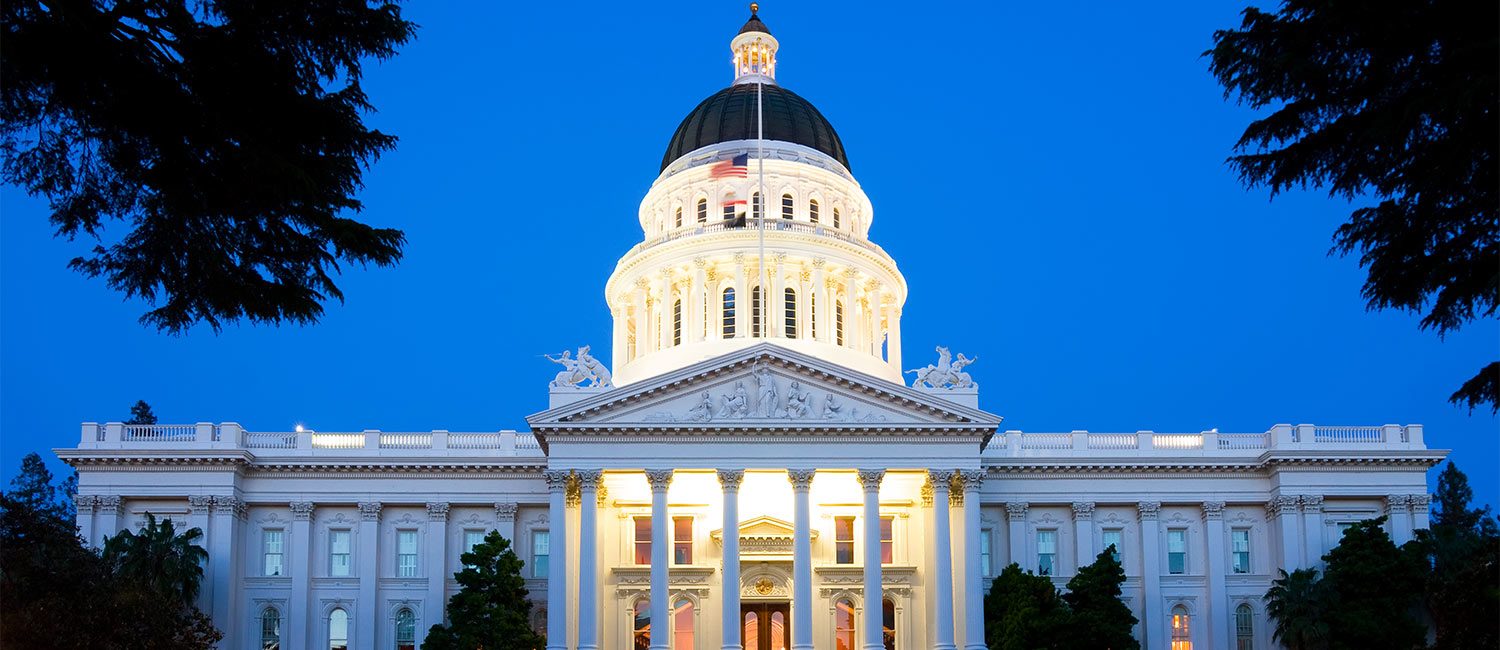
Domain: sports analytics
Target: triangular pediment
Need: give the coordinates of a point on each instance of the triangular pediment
(762, 387)
(763, 527)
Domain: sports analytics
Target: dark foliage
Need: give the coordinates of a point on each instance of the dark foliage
(60, 594)
(1462, 553)
(159, 559)
(1391, 101)
(1295, 602)
(229, 135)
(1374, 589)
(141, 414)
(1023, 611)
(490, 611)
(1098, 618)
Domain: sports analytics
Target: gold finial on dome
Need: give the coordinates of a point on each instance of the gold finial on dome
(754, 8)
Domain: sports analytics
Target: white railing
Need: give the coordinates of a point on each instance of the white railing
(160, 432)
(1243, 440)
(406, 441)
(1357, 435)
(474, 441)
(1113, 441)
(772, 225)
(1177, 440)
(338, 440)
(270, 440)
(527, 441)
(1047, 441)
(1207, 443)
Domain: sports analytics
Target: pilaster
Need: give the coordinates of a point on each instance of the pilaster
(557, 571)
(1153, 620)
(1218, 616)
(368, 561)
(1083, 534)
(436, 555)
(299, 546)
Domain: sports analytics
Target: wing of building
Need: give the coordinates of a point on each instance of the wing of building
(755, 473)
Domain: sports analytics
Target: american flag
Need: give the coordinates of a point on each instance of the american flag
(736, 167)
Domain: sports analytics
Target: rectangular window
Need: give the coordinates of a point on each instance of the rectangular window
(838, 323)
(338, 552)
(787, 207)
(789, 305)
(887, 540)
(1116, 538)
(643, 541)
(702, 211)
(682, 540)
(843, 540)
(729, 212)
(272, 546)
(406, 553)
(541, 553)
(472, 538)
(986, 538)
(1046, 552)
(1177, 551)
(812, 211)
(1239, 540)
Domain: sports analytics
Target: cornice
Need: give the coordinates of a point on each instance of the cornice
(1262, 465)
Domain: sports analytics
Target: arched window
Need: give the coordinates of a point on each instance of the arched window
(755, 312)
(677, 322)
(812, 210)
(835, 217)
(787, 206)
(791, 313)
(751, 633)
(843, 625)
(1182, 635)
(729, 313)
(338, 629)
(270, 629)
(702, 210)
(682, 625)
(641, 629)
(1244, 628)
(729, 204)
(406, 630)
(677, 221)
(888, 624)
(838, 322)
(756, 209)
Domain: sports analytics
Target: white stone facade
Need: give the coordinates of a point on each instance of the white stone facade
(755, 475)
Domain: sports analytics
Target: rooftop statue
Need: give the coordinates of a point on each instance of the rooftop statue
(576, 371)
(947, 373)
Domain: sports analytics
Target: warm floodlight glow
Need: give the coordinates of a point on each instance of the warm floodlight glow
(298, 428)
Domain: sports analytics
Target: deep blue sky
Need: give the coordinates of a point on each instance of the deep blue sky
(1050, 178)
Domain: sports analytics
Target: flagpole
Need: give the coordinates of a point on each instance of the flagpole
(760, 224)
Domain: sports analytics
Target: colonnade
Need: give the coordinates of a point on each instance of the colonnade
(587, 575)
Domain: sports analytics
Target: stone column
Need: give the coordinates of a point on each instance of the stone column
(1015, 515)
(1083, 534)
(198, 509)
(820, 313)
(85, 504)
(618, 344)
(893, 333)
(1312, 527)
(437, 563)
(696, 302)
(367, 556)
(1284, 510)
(729, 616)
(557, 572)
(643, 336)
(853, 315)
(802, 592)
(973, 479)
(804, 304)
(109, 518)
(1153, 622)
(661, 544)
(1219, 618)
(776, 299)
(742, 302)
(1398, 508)
(588, 558)
(1419, 511)
(870, 480)
(942, 567)
(299, 544)
(664, 309)
(505, 523)
(222, 531)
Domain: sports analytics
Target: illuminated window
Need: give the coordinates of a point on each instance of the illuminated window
(986, 539)
(1239, 540)
(641, 630)
(702, 210)
(677, 220)
(812, 314)
(338, 629)
(273, 545)
(1046, 552)
(838, 322)
(541, 553)
(677, 322)
(1182, 636)
(888, 624)
(643, 541)
(787, 206)
(682, 625)
(835, 217)
(887, 540)
(1114, 538)
(682, 540)
(812, 210)
(1177, 551)
(270, 629)
(1244, 628)
(406, 553)
(406, 630)
(843, 540)
(338, 553)
(729, 313)
(755, 312)
(791, 313)
(843, 625)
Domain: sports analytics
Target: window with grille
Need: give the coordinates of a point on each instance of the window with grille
(1177, 551)
(270, 629)
(812, 314)
(677, 219)
(406, 630)
(338, 553)
(787, 206)
(812, 210)
(641, 628)
(838, 322)
(791, 313)
(1239, 541)
(702, 210)
(887, 540)
(406, 553)
(1182, 635)
(338, 629)
(643, 541)
(682, 625)
(756, 209)
(682, 540)
(1114, 538)
(755, 312)
(541, 553)
(843, 540)
(986, 539)
(472, 538)
(729, 313)
(1046, 552)
(677, 322)
(273, 545)
(1244, 628)
(843, 625)
(835, 217)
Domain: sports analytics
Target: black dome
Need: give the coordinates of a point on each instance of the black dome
(730, 115)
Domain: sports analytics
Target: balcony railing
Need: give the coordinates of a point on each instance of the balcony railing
(772, 225)
(229, 435)
(1207, 443)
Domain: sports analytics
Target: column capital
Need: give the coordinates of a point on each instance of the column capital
(199, 504)
(302, 510)
(972, 479)
(1279, 505)
(659, 479)
(939, 479)
(1311, 503)
(370, 510)
(700, 262)
(1419, 502)
(1148, 510)
(588, 479)
(557, 479)
(226, 505)
(1395, 503)
(730, 479)
(801, 479)
(85, 502)
(1213, 510)
(108, 503)
(1083, 510)
(505, 511)
(870, 478)
(437, 511)
(1016, 510)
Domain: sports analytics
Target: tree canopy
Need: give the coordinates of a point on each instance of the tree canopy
(491, 609)
(1024, 611)
(1390, 102)
(1462, 562)
(229, 136)
(141, 414)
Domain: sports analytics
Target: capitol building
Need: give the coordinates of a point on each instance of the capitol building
(755, 463)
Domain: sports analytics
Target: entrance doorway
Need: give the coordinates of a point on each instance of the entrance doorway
(766, 626)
